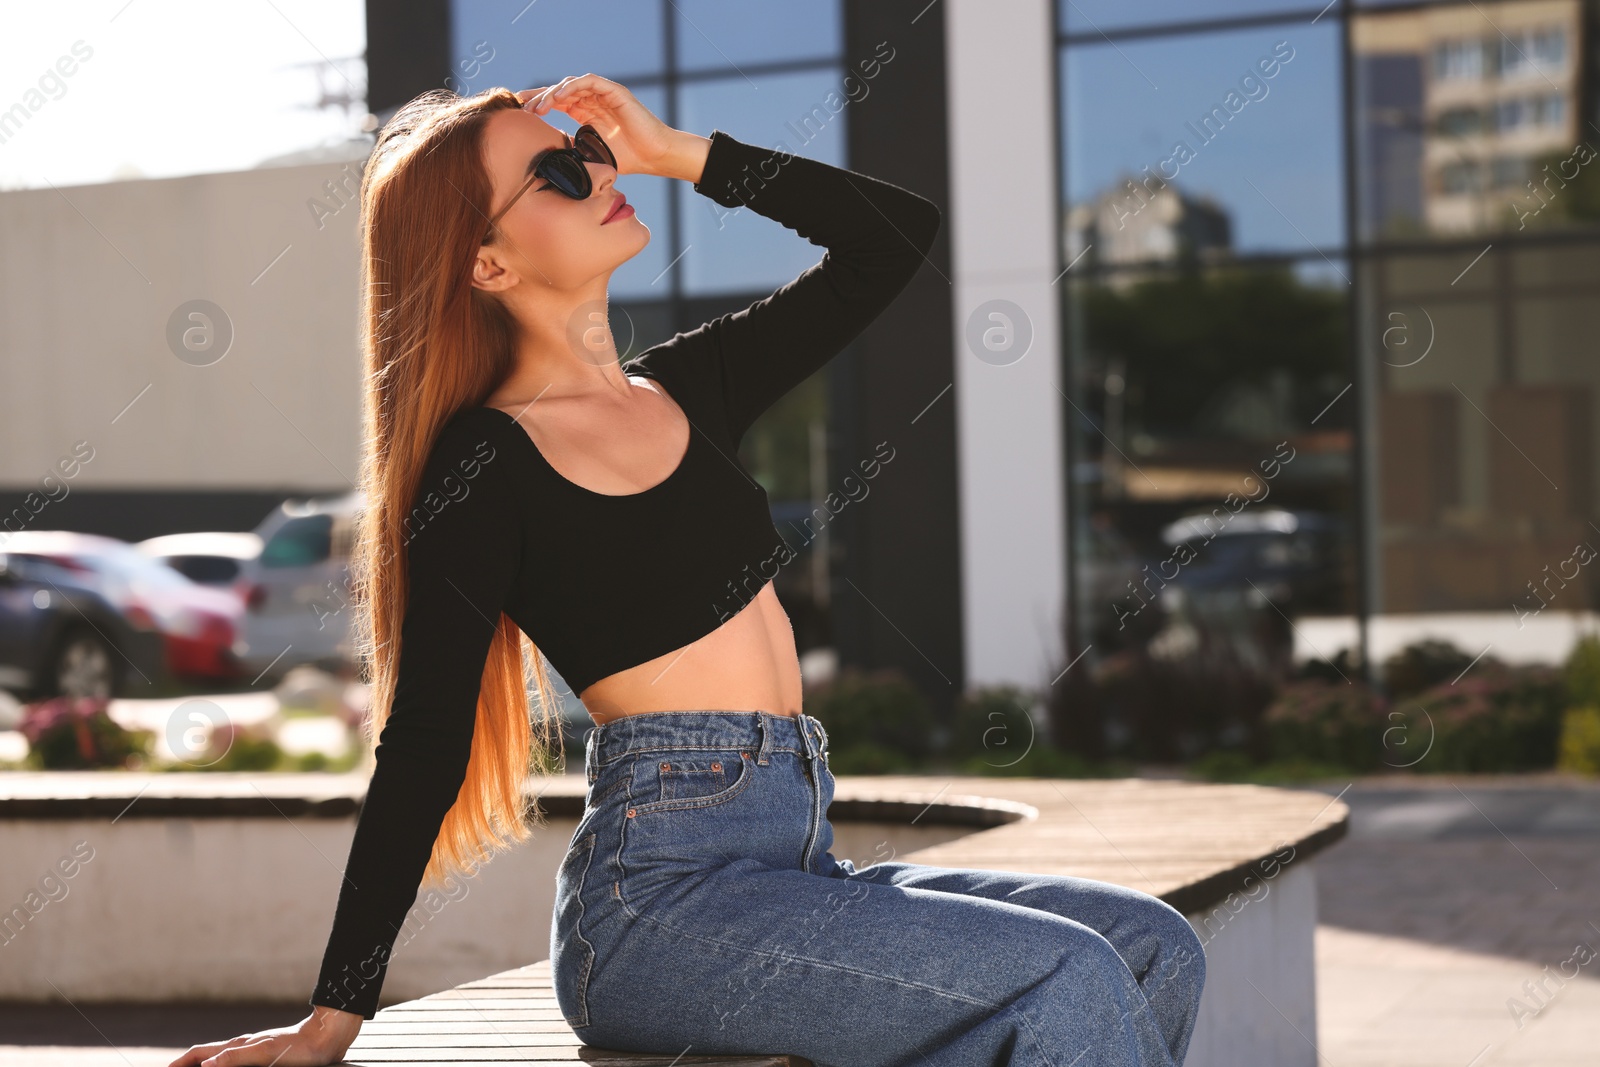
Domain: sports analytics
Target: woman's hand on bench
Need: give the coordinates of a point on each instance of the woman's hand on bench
(320, 1039)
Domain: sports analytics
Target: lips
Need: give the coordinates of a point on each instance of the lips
(616, 206)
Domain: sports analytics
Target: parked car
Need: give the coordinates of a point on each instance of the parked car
(1292, 558)
(87, 615)
(296, 589)
(210, 558)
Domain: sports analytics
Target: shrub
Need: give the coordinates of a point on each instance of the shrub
(1580, 741)
(1325, 722)
(994, 723)
(1424, 664)
(78, 733)
(1164, 710)
(874, 710)
(236, 748)
(1497, 718)
(1582, 673)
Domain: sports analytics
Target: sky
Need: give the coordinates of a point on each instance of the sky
(171, 87)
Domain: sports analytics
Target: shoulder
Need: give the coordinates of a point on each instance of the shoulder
(471, 436)
(469, 459)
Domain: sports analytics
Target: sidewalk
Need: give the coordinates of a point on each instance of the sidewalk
(1443, 909)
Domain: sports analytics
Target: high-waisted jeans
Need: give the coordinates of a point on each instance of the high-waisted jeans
(699, 910)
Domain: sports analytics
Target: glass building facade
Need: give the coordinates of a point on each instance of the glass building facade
(1330, 284)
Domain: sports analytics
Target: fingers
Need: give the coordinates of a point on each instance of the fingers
(578, 90)
(198, 1053)
(258, 1053)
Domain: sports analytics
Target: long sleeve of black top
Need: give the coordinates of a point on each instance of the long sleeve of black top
(463, 555)
(876, 235)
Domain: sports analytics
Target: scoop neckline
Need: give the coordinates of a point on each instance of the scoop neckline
(683, 460)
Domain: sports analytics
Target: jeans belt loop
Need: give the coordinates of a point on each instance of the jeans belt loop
(765, 729)
(591, 755)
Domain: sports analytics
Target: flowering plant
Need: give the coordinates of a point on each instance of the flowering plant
(78, 733)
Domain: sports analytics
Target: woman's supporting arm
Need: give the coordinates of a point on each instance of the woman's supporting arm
(462, 560)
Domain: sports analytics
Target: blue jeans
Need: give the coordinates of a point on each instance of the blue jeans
(699, 910)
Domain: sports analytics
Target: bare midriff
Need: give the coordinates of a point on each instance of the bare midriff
(749, 663)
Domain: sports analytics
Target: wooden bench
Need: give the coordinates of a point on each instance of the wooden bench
(1196, 846)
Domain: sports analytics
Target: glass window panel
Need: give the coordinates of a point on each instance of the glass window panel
(1487, 451)
(1468, 121)
(719, 34)
(1093, 16)
(1210, 395)
(541, 43)
(741, 251)
(1204, 145)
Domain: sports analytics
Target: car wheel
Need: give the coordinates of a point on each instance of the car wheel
(84, 666)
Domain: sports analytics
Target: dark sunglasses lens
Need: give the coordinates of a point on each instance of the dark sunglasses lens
(587, 141)
(566, 174)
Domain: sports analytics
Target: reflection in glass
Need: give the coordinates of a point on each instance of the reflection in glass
(1468, 120)
(539, 44)
(1093, 16)
(739, 250)
(713, 34)
(1487, 444)
(1204, 421)
(1203, 145)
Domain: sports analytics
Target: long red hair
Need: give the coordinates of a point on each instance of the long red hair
(433, 344)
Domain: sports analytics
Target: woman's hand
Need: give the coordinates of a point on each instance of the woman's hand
(323, 1037)
(642, 143)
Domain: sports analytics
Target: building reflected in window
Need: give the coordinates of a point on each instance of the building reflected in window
(1468, 113)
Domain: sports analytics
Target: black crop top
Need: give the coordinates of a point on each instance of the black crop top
(495, 528)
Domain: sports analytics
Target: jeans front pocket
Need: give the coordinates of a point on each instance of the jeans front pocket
(697, 779)
(571, 954)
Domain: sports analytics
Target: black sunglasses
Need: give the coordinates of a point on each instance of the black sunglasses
(564, 168)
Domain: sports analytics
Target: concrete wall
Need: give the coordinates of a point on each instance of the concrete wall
(1259, 1008)
(94, 278)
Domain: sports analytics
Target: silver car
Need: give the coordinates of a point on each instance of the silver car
(296, 591)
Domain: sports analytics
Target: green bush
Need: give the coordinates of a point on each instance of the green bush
(994, 723)
(1323, 722)
(78, 733)
(1497, 718)
(864, 757)
(1582, 674)
(1422, 665)
(1579, 750)
(874, 710)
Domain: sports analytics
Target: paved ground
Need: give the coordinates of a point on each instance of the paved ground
(1441, 912)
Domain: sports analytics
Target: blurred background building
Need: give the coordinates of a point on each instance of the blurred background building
(1255, 333)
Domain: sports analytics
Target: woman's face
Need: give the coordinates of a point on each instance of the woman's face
(547, 238)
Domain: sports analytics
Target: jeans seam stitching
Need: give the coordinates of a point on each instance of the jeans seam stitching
(823, 964)
(577, 932)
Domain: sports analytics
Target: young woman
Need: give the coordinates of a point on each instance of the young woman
(527, 494)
